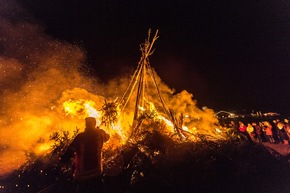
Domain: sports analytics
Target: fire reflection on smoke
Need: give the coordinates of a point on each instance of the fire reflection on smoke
(44, 91)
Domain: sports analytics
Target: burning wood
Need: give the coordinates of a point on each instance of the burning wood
(147, 105)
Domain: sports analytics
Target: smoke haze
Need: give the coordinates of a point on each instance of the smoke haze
(38, 74)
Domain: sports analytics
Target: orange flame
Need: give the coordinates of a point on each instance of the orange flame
(44, 92)
(81, 108)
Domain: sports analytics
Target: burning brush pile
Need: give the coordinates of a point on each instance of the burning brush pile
(156, 162)
(160, 141)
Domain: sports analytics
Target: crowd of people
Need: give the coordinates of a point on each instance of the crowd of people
(272, 131)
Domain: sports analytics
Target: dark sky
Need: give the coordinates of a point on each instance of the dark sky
(231, 55)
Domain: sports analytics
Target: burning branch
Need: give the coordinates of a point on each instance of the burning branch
(109, 113)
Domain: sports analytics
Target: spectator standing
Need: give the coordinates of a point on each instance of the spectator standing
(258, 131)
(251, 132)
(234, 126)
(282, 133)
(269, 132)
(287, 127)
(242, 127)
(87, 148)
(275, 126)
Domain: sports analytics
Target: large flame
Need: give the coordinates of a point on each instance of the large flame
(44, 92)
(81, 108)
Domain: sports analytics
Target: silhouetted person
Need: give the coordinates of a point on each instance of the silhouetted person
(277, 131)
(234, 126)
(258, 131)
(87, 149)
(281, 133)
(287, 127)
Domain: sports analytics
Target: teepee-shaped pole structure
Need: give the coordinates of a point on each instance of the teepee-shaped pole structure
(144, 65)
(139, 79)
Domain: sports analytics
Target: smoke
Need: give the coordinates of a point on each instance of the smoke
(38, 74)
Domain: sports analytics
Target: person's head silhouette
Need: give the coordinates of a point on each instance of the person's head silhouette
(90, 123)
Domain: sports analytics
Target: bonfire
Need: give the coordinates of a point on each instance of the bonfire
(158, 137)
(143, 108)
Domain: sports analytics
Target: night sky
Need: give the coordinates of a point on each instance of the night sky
(231, 55)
